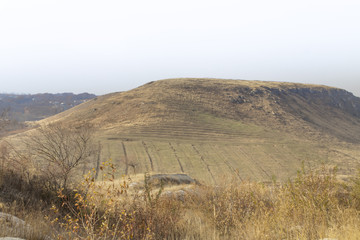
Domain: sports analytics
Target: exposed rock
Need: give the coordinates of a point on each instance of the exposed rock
(8, 219)
(239, 99)
(12, 225)
(338, 98)
(134, 185)
(172, 179)
(179, 194)
(11, 238)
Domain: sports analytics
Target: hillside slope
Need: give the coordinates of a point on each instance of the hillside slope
(210, 127)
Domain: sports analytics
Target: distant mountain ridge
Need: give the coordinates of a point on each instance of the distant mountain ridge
(31, 107)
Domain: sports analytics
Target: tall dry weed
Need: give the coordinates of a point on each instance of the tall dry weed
(314, 205)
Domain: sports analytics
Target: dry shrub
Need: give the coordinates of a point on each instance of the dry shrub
(314, 205)
(19, 182)
(155, 217)
(105, 211)
(355, 191)
(233, 204)
(92, 211)
(23, 194)
(307, 205)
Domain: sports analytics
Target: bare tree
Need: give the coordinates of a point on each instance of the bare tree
(60, 149)
(16, 160)
(133, 164)
(4, 120)
(8, 123)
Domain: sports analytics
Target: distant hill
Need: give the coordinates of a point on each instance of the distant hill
(30, 107)
(211, 128)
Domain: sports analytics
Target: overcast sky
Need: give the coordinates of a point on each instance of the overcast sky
(105, 46)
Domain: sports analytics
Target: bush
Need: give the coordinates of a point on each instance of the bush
(98, 211)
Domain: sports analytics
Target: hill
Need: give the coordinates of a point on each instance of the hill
(210, 128)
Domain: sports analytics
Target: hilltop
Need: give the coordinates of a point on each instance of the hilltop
(209, 128)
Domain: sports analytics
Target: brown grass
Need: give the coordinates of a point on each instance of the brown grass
(314, 205)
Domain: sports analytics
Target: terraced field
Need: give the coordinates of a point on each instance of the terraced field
(210, 153)
(211, 161)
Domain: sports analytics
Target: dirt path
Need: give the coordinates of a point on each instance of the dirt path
(203, 160)
(148, 154)
(176, 156)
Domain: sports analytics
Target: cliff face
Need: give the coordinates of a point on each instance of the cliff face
(310, 110)
(336, 98)
(329, 97)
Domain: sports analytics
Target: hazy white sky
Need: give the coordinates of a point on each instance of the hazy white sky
(114, 45)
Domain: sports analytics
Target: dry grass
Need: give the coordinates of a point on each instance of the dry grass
(314, 205)
(25, 198)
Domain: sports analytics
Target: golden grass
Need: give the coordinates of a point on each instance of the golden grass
(314, 205)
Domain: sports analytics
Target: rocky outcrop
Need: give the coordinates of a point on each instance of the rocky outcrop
(171, 179)
(13, 226)
(333, 97)
(11, 238)
(300, 109)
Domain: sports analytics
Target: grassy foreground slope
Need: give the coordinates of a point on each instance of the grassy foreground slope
(209, 128)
